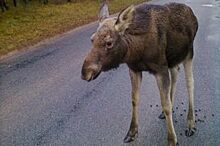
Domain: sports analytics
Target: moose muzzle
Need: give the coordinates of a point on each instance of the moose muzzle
(90, 71)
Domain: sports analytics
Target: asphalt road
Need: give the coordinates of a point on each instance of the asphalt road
(43, 100)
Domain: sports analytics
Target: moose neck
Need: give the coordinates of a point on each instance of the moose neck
(133, 48)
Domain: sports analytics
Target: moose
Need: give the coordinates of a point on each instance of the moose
(152, 38)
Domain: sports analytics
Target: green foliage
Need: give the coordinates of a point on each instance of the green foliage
(22, 26)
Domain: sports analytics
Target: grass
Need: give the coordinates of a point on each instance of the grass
(21, 27)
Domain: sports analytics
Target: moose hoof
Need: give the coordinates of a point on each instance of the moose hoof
(131, 136)
(173, 143)
(161, 116)
(190, 131)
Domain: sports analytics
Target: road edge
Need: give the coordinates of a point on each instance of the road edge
(34, 47)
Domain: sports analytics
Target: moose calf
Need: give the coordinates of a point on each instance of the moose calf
(153, 38)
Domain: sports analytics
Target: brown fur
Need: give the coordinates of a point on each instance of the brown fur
(151, 38)
(161, 36)
(157, 36)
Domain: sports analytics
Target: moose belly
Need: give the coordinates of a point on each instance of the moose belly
(178, 48)
(144, 66)
(175, 56)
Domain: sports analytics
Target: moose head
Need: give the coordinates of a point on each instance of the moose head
(108, 46)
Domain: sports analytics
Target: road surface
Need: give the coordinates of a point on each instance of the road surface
(43, 100)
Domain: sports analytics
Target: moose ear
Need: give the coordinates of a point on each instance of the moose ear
(124, 19)
(103, 12)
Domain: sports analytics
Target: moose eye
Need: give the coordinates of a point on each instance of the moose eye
(109, 45)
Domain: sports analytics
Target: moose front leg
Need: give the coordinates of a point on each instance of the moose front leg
(164, 85)
(136, 78)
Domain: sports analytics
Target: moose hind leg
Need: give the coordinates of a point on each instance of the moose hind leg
(136, 78)
(164, 85)
(173, 73)
(190, 88)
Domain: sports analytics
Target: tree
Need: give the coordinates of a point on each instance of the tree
(3, 5)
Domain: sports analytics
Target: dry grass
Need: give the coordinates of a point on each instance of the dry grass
(21, 27)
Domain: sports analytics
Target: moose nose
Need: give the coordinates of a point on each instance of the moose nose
(83, 76)
(90, 72)
(86, 74)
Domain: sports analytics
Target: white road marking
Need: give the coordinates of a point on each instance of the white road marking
(207, 5)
